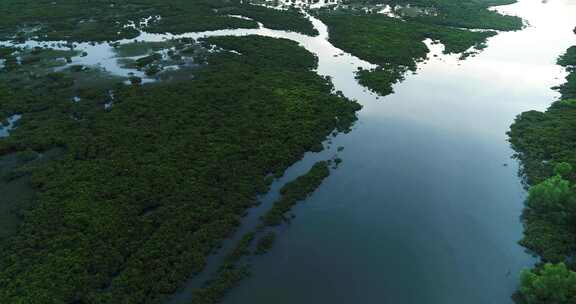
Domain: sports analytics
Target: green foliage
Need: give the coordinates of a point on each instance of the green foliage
(103, 20)
(548, 237)
(553, 284)
(290, 19)
(545, 144)
(141, 48)
(241, 249)
(27, 155)
(216, 289)
(6, 51)
(36, 76)
(144, 61)
(568, 59)
(378, 39)
(544, 139)
(265, 243)
(384, 40)
(295, 191)
(395, 45)
(460, 41)
(275, 53)
(551, 194)
(563, 169)
(380, 80)
(148, 189)
(467, 14)
(291, 193)
(548, 218)
(568, 89)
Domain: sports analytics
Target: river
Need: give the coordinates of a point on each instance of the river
(425, 207)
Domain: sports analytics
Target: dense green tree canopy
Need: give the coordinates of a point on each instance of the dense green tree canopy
(102, 20)
(149, 187)
(553, 284)
(396, 44)
(545, 143)
(552, 194)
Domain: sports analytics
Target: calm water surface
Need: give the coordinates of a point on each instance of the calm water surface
(426, 206)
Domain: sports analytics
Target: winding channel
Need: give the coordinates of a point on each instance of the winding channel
(425, 207)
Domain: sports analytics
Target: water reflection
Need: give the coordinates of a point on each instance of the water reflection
(103, 55)
(425, 207)
(309, 4)
(9, 125)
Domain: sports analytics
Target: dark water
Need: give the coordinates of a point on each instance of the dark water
(426, 206)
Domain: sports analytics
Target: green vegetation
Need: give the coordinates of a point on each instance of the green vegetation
(16, 196)
(103, 20)
(290, 19)
(141, 48)
(389, 41)
(35, 74)
(231, 271)
(215, 290)
(396, 45)
(568, 60)
(265, 243)
(549, 218)
(150, 178)
(378, 39)
(472, 14)
(147, 189)
(543, 140)
(295, 191)
(241, 249)
(545, 144)
(552, 284)
(380, 80)
(158, 59)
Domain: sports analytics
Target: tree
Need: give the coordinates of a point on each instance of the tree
(553, 284)
(551, 195)
(563, 169)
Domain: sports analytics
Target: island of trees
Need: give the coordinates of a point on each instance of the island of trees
(396, 44)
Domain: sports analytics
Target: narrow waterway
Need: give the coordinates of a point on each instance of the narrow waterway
(426, 206)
